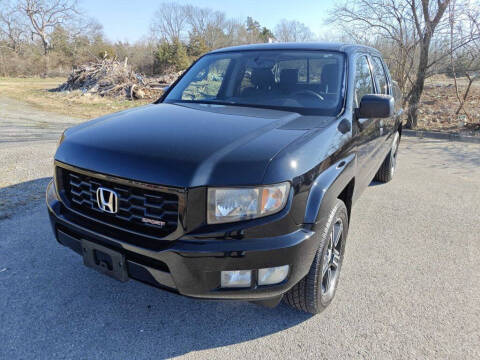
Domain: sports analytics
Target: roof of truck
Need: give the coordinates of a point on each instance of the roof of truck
(300, 46)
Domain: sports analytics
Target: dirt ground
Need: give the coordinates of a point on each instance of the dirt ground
(439, 104)
(35, 91)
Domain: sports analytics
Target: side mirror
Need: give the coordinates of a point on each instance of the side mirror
(376, 106)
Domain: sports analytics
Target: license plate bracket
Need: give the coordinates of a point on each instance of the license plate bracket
(104, 260)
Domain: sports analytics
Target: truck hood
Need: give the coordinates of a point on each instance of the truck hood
(184, 145)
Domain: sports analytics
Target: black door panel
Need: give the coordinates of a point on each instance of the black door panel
(368, 136)
(383, 86)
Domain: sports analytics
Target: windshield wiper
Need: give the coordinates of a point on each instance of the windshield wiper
(210, 102)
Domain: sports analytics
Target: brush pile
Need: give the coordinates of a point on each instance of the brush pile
(109, 77)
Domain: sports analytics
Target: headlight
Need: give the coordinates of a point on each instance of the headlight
(237, 204)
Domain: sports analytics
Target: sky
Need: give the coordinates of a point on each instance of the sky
(129, 20)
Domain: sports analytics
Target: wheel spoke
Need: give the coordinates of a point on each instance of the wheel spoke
(338, 227)
(336, 258)
(327, 279)
(330, 240)
(326, 262)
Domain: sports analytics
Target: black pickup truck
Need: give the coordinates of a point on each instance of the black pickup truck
(238, 183)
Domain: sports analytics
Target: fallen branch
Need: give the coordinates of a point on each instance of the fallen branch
(112, 78)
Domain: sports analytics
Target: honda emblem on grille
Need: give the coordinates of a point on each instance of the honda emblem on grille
(107, 200)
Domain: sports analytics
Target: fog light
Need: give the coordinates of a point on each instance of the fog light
(273, 275)
(236, 279)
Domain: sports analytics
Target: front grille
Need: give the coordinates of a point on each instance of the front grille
(135, 204)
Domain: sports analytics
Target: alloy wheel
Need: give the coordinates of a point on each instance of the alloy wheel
(394, 152)
(331, 260)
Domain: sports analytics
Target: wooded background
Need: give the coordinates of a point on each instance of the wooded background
(418, 38)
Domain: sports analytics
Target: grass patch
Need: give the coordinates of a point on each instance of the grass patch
(34, 91)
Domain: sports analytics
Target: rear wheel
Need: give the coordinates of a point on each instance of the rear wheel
(316, 290)
(389, 165)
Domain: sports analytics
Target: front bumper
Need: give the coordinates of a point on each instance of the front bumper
(192, 267)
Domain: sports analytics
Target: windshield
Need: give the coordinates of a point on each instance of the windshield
(309, 81)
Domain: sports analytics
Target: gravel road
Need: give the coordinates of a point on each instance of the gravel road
(27, 141)
(410, 285)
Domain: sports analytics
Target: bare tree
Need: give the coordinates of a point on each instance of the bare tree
(426, 18)
(12, 28)
(410, 25)
(293, 31)
(188, 24)
(384, 24)
(44, 15)
(170, 22)
(470, 52)
(207, 24)
(236, 33)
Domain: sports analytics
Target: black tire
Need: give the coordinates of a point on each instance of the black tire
(389, 165)
(310, 294)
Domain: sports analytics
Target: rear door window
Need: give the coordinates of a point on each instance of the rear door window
(380, 75)
(363, 79)
(309, 69)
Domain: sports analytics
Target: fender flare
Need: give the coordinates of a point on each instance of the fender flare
(327, 187)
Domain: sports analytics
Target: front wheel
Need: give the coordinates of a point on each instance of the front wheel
(389, 165)
(316, 290)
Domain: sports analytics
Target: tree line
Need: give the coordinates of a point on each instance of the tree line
(50, 37)
(418, 38)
